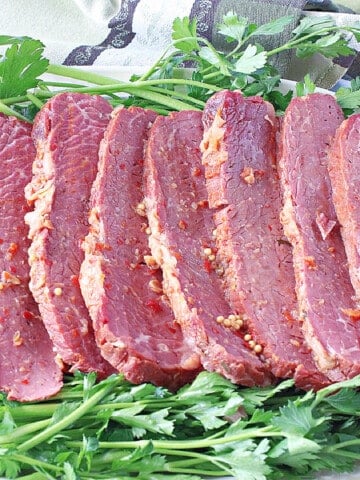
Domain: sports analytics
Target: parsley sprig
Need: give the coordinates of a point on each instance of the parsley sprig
(115, 430)
(244, 65)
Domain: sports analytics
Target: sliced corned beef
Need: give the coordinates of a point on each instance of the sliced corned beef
(324, 290)
(344, 162)
(133, 322)
(28, 368)
(181, 243)
(239, 155)
(67, 133)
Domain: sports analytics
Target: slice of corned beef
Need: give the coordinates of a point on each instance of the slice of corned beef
(239, 155)
(134, 325)
(344, 161)
(67, 133)
(181, 243)
(28, 368)
(324, 290)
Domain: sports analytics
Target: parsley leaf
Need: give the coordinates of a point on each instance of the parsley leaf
(233, 27)
(309, 25)
(349, 98)
(345, 401)
(214, 58)
(184, 34)
(305, 87)
(331, 46)
(21, 67)
(297, 420)
(275, 26)
(251, 60)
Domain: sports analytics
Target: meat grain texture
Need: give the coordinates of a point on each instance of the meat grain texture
(324, 290)
(67, 133)
(239, 155)
(133, 322)
(182, 244)
(344, 161)
(28, 368)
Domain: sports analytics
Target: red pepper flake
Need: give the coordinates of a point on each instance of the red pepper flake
(259, 173)
(9, 278)
(352, 313)
(102, 246)
(25, 381)
(182, 224)
(196, 172)
(28, 315)
(1, 241)
(310, 262)
(208, 266)
(13, 248)
(154, 305)
(178, 256)
(74, 279)
(172, 328)
(288, 317)
(203, 204)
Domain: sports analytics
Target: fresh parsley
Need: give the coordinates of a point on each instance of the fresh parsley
(24, 62)
(244, 65)
(116, 430)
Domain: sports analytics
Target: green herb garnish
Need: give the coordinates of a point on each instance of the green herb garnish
(115, 430)
(245, 65)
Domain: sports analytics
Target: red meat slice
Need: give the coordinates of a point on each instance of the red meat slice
(324, 290)
(239, 154)
(134, 325)
(28, 368)
(181, 243)
(344, 161)
(67, 134)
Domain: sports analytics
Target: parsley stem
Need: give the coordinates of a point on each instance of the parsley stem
(79, 74)
(9, 111)
(177, 94)
(34, 476)
(38, 103)
(69, 419)
(157, 64)
(267, 431)
(348, 443)
(22, 431)
(196, 458)
(298, 41)
(34, 462)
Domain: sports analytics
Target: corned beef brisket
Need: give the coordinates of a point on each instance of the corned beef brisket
(239, 155)
(181, 243)
(344, 162)
(133, 322)
(67, 133)
(324, 290)
(28, 369)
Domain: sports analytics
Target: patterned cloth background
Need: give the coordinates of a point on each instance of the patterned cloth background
(136, 32)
